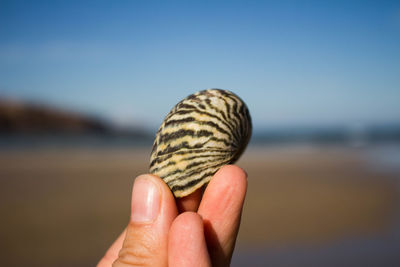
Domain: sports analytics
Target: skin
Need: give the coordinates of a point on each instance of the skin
(197, 230)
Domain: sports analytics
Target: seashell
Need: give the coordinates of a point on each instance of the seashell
(203, 132)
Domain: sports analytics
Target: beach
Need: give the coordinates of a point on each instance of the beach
(65, 206)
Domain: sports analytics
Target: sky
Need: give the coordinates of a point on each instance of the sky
(295, 63)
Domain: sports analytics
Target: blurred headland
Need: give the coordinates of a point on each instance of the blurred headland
(31, 118)
(25, 123)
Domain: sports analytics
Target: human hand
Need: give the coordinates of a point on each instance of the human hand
(157, 235)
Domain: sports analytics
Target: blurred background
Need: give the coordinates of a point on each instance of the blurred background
(84, 85)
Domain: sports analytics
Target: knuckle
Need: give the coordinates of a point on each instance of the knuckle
(138, 251)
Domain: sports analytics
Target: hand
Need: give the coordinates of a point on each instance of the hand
(157, 235)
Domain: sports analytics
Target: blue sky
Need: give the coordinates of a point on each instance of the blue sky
(295, 63)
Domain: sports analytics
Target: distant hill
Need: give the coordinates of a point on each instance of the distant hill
(20, 117)
(40, 121)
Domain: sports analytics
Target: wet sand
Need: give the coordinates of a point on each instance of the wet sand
(313, 195)
(65, 207)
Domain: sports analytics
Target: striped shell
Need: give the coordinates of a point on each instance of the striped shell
(203, 132)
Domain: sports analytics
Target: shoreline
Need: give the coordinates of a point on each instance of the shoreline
(296, 196)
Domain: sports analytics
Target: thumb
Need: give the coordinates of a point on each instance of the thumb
(153, 209)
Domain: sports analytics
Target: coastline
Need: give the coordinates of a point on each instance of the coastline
(75, 201)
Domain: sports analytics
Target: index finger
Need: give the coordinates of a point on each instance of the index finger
(221, 209)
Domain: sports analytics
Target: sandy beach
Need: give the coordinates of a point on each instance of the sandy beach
(64, 207)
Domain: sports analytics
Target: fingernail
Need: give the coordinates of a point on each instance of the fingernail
(145, 200)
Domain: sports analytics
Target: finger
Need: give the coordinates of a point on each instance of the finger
(153, 210)
(187, 245)
(190, 202)
(112, 253)
(221, 209)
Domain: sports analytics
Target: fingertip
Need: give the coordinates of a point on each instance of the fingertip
(190, 202)
(233, 171)
(187, 245)
(185, 229)
(188, 220)
(227, 187)
(166, 211)
(155, 179)
(166, 192)
(229, 176)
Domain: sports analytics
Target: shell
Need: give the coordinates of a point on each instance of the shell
(203, 132)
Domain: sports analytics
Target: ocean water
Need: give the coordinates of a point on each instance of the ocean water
(385, 157)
